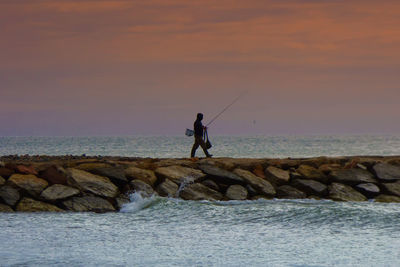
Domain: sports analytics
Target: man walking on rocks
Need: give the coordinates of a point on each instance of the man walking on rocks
(198, 136)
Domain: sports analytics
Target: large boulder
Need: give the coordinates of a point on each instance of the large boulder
(58, 192)
(54, 175)
(387, 199)
(142, 187)
(352, 176)
(220, 175)
(28, 183)
(179, 174)
(387, 172)
(309, 172)
(211, 184)
(341, 192)
(368, 189)
(311, 187)
(277, 176)
(167, 188)
(392, 188)
(5, 208)
(92, 183)
(262, 186)
(289, 192)
(146, 176)
(88, 203)
(31, 205)
(24, 169)
(236, 192)
(327, 168)
(4, 172)
(9, 195)
(115, 174)
(199, 191)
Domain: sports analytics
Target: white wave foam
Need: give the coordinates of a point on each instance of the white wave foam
(138, 202)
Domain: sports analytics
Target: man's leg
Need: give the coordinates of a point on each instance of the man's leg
(194, 148)
(204, 147)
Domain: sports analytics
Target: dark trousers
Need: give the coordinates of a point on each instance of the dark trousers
(198, 141)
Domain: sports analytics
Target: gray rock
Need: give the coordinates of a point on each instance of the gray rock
(289, 192)
(308, 172)
(58, 192)
(211, 184)
(142, 187)
(236, 192)
(221, 175)
(167, 188)
(387, 199)
(146, 176)
(31, 205)
(341, 192)
(28, 183)
(9, 195)
(179, 174)
(368, 189)
(261, 186)
(352, 176)
(115, 174)
(387, 172)
(199, 191)
(92, 183)
(277, 176)
(311, 187)
(88, 203)
(5, 208)
(392, 188)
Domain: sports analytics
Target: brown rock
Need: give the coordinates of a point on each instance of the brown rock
(5, 208)
(308, 172)
(88, 203)
(261, 186)
(31, 205)
(178, 174)
(327, 168)
(146, 176)
(199, 191)
(115, 174)
(211, 184)
(142, 187)
(289, 192)
(392, 188)
(92, 165)
(387, 172)
(341, 192)
(277, 176)
(220, 175)
(58, 192)
(29, 183)
(2, 181)
(387, 199)
(54, 175)
(311, 187)
(26, 170)
(5, 173)
(258, 170)
(236, 192)
(167, 188)
(88, 182)
(9, 195)
(352, 176)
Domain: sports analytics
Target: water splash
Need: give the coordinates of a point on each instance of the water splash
(184, 182)
(139, 201)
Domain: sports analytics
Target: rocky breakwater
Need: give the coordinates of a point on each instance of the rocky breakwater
(103, 184)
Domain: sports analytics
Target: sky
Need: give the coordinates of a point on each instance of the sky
(116, 67)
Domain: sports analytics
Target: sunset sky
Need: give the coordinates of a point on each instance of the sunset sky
(93, 67)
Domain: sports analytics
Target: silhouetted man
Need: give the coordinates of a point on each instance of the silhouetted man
(198, 136)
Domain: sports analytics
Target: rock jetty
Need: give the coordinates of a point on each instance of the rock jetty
(103, 184)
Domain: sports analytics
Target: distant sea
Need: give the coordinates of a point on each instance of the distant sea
(159, 231)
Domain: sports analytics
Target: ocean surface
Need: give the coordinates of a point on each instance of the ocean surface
(159, 231)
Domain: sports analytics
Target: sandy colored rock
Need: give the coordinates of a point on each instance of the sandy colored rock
(310, 187)
(368, 189)
(309, 172)
(178, 174)
(236, 192)
(142, 187)
(352, 176)
(387, 172)
(387, 199)
(341, 192)
(31, 205)
(5, 208)
(327, 168)
(289, 192)
(88, 203)
(260, 185)
(92, 183)
(277, 176)
(199, 191)
(59, 192)
(54, 175)
(146, 176)
(29, 183)
(167, 188)
(9, 195)
(392, 188)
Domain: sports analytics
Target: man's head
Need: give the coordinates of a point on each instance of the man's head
(199, 116)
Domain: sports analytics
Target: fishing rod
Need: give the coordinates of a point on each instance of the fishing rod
(228, 106)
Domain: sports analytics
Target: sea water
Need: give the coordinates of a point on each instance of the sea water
(159, 231)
